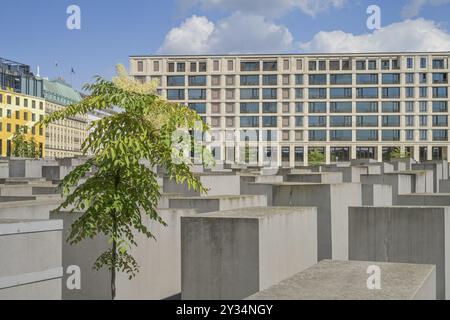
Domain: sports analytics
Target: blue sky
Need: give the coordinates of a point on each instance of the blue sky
(35, 33)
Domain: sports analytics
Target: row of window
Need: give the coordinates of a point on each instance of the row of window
(10, 128)
(17, 102)
(313, 93)
(347, 135)
(339, 121)
(313, 64)
(17, 115)
(323, 107)
(313, 79)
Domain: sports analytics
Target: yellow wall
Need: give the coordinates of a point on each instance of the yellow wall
(5, 135)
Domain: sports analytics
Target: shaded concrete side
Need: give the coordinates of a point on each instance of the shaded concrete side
(219, 258)
(400, 234)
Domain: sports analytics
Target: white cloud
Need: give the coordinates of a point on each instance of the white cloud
(238, 33)
(265, 7)
(409, 35)
(413, 7)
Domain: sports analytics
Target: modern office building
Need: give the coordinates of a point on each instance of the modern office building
(63, 137)
(278, 108)
(22, 104)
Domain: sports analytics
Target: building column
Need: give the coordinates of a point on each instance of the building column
(305, 156)
(380, 153)
(416, 153)
(353, 153)
(327, 154)
(429, 153)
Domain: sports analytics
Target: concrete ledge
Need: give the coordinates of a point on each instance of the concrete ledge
(8, 227)
(347, 280)
(27, 278)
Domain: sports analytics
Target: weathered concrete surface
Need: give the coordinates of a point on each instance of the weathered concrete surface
(28, 168)
(347, 280)
(439, 169)
(316, 177)
(55, 173)
(424, 199)
(217, 203)
(402, 183)
(216, 185)
(4, 169)
(159, 261)
(349, 174)
(31, 209)
(332, 202)
(30, 267)
(444, 186)
(233, 254)
(404, 235)
(376, 195)
(422, 180)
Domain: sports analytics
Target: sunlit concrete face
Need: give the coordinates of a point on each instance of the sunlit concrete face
(276, 109)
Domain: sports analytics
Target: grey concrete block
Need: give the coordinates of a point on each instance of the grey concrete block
(403, 235)
(217, 203)
(232, 254)
(376, 195)
(347, 280)
(32, 209)
(320, 177)
(160, 265)
(332, 202)
(31, 262)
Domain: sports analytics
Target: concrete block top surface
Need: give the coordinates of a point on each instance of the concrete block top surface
(12, 226)
(347, 280)
(206, 197)
(29, 203)
(255, 212)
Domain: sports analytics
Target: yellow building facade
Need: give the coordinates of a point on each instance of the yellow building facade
(19, 110)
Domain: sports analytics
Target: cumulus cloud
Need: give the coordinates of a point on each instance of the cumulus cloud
(238, 33)
(265, 7)
(409, 35)
(413, 7)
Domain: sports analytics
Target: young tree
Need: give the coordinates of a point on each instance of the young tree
(124, 148)
(316, 158)
(396, 153)
(23, 148)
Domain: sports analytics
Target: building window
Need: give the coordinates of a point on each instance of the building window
(341, 107)
(317, 107)
(250, 66)
(197, 81)
(249, 121)
(251, 94)
(286, 64)
(370, 78)
(18, 115)
(229, 80)
(317, 135)
(249, 80)
(175, 81)
(335, 65)
(270, 80)
(390, 78)
(340, 135)
(360, 65)
(317, 79)
(230, 65)
(270, 107)
(156, 66)
(202, 66)
(367, 93)
(409, 78)
(423, 135)
(215, 80)
(317, 121)
(409, 63)
(270, 121)
(140, 66)
(216, 65)
(409, 135)
(269, 93)
(198, 107)
(181, 67)
(298, 79)
(340, 79)
(249, 107)
(299, 64)
(367, 121)
(270, 66)
(177, 94)
(423, 63)
(317, 93)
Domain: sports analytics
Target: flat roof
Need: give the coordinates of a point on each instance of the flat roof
(291, 54)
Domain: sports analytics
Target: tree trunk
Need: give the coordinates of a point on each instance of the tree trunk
(113, 270)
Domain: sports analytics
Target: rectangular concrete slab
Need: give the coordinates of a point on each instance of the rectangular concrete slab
(347, 280)
(233, 254)
(403, 235)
